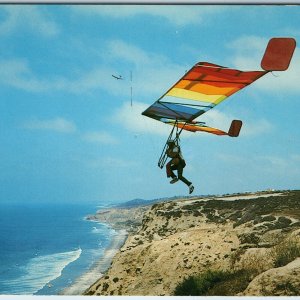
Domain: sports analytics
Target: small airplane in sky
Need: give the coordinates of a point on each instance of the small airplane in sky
(117, 77)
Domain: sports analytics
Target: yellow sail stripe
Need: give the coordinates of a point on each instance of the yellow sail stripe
(181, 93)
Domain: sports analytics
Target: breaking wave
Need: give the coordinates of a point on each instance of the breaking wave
(38, 272)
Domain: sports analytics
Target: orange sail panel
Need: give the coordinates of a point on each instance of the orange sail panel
(197, 127)
(233, 131)
(200, 89)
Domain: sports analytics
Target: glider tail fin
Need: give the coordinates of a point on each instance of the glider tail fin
(278, 54)
(235, 128)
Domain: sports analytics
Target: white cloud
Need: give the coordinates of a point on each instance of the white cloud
(249, 51)
(119, 49)
(296, 157)
(132, 119)
(217, 119)
(178, 15)
(97, 78)
(108, 162)
(18, 74)
(152, 74)
(58, 124)
(28, 17)
(101, 137)
(264, 163)
(279, 165)
(232, 158)
(220, 120)
(257, 127)
(117, 162)
(62, 125)
(276, 162)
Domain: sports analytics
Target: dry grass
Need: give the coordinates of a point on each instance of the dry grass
(286, 251)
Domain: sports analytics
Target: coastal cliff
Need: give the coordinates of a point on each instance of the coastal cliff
(244, 244)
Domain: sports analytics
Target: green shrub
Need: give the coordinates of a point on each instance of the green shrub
(268, 218)
(232, 284)
(199, 285)
(187, 288)
(286, 252)
(249, 238)
(288, 288)
(213, 283)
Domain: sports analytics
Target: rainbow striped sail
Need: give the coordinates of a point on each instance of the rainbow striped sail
(199, 90)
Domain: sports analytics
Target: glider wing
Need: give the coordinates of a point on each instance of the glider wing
(207, 85)
(203, 87)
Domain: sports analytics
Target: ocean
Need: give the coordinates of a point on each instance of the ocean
(45, 247)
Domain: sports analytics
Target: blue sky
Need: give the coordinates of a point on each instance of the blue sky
(69, 132)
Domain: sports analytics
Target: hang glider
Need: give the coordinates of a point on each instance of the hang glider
(206, 85)
(202, 88)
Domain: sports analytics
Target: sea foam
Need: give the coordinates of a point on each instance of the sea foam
(39, 271)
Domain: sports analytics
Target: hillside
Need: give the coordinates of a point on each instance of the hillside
(245, 244)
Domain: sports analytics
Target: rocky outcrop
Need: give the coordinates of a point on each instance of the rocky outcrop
(282, 281)
(177, 239)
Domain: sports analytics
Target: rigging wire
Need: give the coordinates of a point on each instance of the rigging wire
(131, 88)
(274, 74)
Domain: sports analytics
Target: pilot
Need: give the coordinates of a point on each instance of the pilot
(176, 162)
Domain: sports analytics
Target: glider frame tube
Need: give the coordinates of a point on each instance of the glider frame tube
(163, 157)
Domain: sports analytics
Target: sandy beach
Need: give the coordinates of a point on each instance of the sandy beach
(98, 269)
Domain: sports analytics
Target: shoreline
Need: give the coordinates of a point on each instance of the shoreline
(83, 282)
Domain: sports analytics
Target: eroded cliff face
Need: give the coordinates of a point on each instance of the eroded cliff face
(188, 237)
